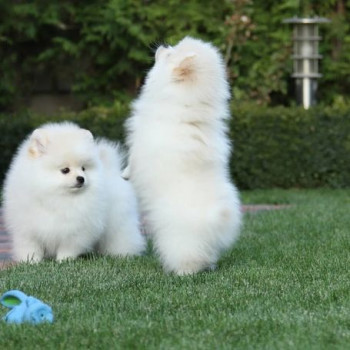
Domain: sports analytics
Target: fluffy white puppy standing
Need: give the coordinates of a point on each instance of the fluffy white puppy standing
(178, 157)
(59, 198)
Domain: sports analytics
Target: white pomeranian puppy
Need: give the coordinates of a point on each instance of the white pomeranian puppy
(178, 157)
(64, 196)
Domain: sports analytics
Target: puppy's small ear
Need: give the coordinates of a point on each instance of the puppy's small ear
(88, 134)
(126, 173)
(38, 143)
(185, 69)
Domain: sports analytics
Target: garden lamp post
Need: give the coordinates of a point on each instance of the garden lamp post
(306, 57)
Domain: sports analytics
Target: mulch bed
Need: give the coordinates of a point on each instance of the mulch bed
(254, 208)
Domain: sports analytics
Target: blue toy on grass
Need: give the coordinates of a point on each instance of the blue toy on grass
(25, 308)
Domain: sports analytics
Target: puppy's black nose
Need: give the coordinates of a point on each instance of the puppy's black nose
(80, 180)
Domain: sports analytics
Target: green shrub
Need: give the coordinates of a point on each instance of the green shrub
(273, 147)
(99, 50)
(12, 131)
(290, 147)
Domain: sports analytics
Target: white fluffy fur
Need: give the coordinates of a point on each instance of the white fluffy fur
(122, 235)
(51, 214)
(178, 157)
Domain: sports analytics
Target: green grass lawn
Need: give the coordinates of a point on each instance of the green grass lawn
(285, 285)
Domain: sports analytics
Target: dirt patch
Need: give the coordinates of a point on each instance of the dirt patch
(254, 208)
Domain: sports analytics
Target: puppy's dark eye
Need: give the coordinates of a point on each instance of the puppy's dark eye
(83, 168)
(65, 171)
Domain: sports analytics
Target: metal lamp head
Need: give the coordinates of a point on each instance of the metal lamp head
(306, 57)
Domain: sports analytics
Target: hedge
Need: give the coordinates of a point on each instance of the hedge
(273, 147)
(291, 147)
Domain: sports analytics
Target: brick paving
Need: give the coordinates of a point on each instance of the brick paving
(5, 245)
(5, 242)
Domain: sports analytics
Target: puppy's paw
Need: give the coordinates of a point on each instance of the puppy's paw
(66, 255)
(193, 267)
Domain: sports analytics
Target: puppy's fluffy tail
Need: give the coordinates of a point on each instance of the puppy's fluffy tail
(111, 154)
